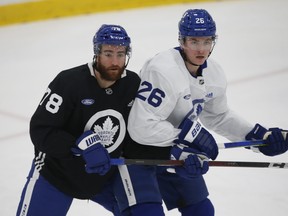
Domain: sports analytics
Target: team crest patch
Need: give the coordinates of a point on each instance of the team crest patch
(110, 126)
(107, 131)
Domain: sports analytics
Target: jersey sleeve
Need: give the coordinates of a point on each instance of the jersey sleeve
(154, 102)
(50, 118)
(217, 115)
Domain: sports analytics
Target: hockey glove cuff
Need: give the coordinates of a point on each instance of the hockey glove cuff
(194, 135)
(96, 156)
(195, 162)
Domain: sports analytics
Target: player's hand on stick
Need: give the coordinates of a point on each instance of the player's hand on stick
(194, 135)
(195, 162)
(275, 139)
(95, 155)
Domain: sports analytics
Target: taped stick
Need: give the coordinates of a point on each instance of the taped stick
(247, 143)
(247, 164)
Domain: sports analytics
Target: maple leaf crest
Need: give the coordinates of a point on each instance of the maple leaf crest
(106, 132)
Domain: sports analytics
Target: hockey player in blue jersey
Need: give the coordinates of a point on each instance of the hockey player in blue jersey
(179, 88)
(79, 124)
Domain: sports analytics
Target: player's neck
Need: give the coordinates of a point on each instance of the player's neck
(192, 68)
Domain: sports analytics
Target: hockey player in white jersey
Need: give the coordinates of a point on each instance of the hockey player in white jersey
(179, 88)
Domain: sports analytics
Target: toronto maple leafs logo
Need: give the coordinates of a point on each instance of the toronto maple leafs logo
(197, 107)
(110, 126)
(106, 132)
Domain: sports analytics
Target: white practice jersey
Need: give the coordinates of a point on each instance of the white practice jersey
(168, 93)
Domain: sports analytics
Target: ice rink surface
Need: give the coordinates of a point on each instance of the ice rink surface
(252, 49)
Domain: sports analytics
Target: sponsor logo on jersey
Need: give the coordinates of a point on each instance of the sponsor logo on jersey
(130, 103)
(187, 97)
(87, 102)
(110, 126)
(209, 95)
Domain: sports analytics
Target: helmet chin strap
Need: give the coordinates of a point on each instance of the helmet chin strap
(127, 62)
(94, 64)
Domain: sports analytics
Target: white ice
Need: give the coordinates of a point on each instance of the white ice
(252, 49)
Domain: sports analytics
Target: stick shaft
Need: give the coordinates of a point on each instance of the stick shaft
(247, 143)
(281, 165)
(121, 161)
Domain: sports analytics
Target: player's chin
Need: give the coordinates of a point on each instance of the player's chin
(200, 60)
(114, 74)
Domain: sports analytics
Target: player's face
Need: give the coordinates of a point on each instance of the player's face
(111, 62)
(197, 49)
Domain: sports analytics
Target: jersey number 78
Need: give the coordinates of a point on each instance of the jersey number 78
(53, 103)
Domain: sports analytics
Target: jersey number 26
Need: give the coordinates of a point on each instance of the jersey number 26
(155, 95)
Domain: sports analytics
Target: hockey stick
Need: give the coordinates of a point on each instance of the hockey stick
(247, 143)
(281, 165)
(121, 161)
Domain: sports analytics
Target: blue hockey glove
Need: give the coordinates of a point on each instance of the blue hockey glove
(195, 162)
(194, 135)
(95, 155)
(275, 138)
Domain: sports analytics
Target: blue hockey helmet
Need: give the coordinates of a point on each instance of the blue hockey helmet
(112, 35)
(196, 23)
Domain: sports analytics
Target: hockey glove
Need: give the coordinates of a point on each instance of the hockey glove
(275, 138)
(195, 162)
(95, 155)
(194, 135)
